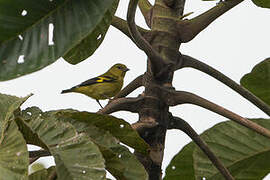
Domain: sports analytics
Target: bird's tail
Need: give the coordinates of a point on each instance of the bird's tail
(66, 91)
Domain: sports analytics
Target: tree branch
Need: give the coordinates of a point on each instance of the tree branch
(35, 155)
(146, 9)
(180, 97)
(122, 25)
(122, 104)
(188, 61)
(178, 123)
(156, 60)
(133, 85)
(190, 28)
(39, 153)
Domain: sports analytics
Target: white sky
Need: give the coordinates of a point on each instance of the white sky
(233, 44)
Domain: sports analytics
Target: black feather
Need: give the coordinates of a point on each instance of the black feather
(96, 80)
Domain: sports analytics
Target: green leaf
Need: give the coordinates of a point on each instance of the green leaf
(262, 3)
(258, 81)
(241, 150)
(117, 127)
(76, 157)
(39, 175)
(36, 167)
(73, 21)
(182, 164)
(118, 160)
(29, 136)
(43, 174)
(89, 44)
(13, 150)
(125, 165)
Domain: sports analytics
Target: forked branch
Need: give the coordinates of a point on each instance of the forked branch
(190, 28)
(178, 123)
(156, 60)
(188, 61)
(174, 98)
(122, 104)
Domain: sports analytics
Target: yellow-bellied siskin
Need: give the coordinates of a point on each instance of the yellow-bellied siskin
(104, 86)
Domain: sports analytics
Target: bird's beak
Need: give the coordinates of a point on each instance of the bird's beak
(125, 70)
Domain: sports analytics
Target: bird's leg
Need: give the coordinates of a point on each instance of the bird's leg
(99, 103)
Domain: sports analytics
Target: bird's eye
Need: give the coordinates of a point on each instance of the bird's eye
(119, 67)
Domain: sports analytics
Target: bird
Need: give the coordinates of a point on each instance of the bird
(103, 86)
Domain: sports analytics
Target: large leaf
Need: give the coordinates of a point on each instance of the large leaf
(241, 150)
(125, 165)
(76, 157)
(13, 150)
(24, 32)
(258, 81)
(118, 160)
(30, 136)
(89, 44)
(262, 3)
(184, 162)
(43, 174)
(117, 127)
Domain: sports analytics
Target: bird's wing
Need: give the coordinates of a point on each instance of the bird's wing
(99, 79)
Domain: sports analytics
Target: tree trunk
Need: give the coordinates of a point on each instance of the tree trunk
(165, 40)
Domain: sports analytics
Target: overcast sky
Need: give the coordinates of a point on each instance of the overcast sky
(233, 44)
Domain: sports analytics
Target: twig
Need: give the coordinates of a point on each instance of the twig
(154, 57)
(133, 85)
(146, 9)
(178, 123)
(122, 25)
(196, 64)
(181, 97)
(188, 29)
(39, 153)
(35, 155)
(122, 104)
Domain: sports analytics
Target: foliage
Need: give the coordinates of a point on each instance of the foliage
(24, 36)
(241, 150)
(258, 80)
(87, 144)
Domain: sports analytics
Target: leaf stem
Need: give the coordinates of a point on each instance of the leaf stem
(188, 61)
(181, 97)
